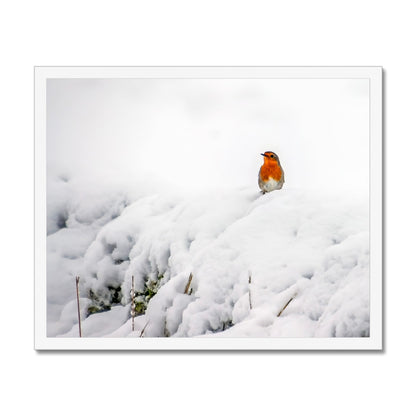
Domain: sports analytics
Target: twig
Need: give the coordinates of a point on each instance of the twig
(188, 284)
(142, 332)
(79, 313)
(284, 307)
(133, 306)
(249, 291)
(165, 329)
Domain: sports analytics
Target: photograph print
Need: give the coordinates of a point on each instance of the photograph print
(208, 208)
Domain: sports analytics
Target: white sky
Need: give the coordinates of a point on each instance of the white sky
(209, 133)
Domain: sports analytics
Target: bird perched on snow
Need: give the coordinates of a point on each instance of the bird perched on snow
(271, 175)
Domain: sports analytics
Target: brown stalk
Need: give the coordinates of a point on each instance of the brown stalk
(249, 292)
(188, 285)
(284, 307)
(79, 313)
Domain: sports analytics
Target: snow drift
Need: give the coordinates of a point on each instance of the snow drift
(292, 263)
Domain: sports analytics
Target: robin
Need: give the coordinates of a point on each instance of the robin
(271, 175)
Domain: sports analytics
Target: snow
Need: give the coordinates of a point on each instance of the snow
(307, 253)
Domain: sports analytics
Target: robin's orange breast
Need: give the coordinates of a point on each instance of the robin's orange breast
(269, 170)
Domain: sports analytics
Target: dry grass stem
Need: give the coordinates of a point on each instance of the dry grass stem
(188, 285)
(132, 310)
(249, 292)
(284, 307)
(79, 312)
(142, 331)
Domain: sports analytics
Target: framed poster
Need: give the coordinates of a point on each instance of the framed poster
(208, 208)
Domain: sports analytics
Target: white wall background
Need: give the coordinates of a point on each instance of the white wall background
(216, 33)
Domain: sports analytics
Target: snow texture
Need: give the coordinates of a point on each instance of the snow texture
(290, 263)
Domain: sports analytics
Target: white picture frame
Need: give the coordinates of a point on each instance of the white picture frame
(375, 339)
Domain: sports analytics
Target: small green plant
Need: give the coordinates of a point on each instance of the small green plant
(142, 298)
(101, 301)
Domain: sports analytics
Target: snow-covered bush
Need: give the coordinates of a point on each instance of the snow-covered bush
(300, 246)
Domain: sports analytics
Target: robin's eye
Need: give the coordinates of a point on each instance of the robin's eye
(272, 156)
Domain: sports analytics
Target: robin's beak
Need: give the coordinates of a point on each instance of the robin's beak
(263, 154)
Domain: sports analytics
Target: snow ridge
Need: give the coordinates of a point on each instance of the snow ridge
(307, 255)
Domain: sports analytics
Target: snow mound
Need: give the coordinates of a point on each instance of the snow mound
(290, 263)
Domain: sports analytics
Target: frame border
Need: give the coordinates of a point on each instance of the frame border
(375, 76)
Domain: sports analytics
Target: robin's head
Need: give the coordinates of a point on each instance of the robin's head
(270, 157)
